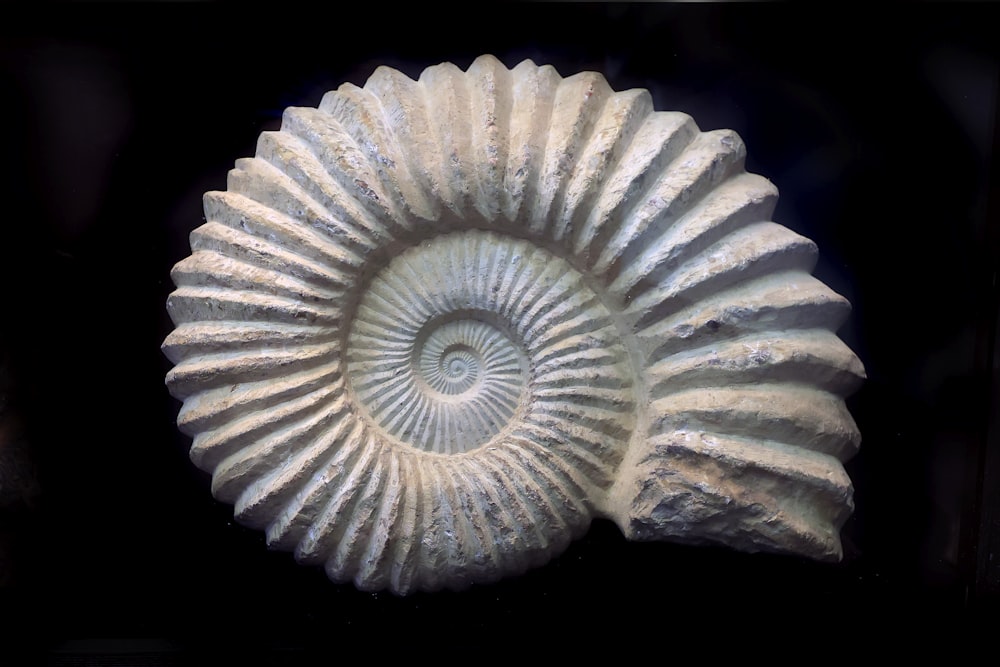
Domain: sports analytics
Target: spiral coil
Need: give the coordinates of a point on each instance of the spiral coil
(435, 327)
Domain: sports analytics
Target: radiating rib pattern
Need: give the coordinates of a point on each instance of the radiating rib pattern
(434, 327)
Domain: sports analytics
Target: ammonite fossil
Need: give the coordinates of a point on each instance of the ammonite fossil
(435, 327)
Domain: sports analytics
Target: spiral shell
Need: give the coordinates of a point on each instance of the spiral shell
(435, 327)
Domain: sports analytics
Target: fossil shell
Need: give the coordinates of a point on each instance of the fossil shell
(435, 327)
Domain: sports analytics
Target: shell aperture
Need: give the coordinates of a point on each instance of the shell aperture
(435, 327)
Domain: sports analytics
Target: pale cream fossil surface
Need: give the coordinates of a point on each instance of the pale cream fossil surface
(435, 327)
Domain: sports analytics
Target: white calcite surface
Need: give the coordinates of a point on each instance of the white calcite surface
(433, 328)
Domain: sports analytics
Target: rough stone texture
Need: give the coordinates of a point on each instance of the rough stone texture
(435, 327)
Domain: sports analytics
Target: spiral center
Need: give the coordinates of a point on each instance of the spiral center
(459, 362)
(454, 384)
(454, 370)
(433, 360)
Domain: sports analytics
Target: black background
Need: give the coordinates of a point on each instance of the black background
(876, 126)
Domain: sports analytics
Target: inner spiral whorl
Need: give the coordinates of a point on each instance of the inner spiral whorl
(459, 371)
(466, 356)
(433, 364)
(451, 367)
(459, 389)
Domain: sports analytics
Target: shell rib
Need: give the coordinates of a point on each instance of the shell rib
(435, 327)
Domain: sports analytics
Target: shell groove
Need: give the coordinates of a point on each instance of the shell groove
(434, 327)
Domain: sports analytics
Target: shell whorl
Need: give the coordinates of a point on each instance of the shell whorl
(435, 327)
